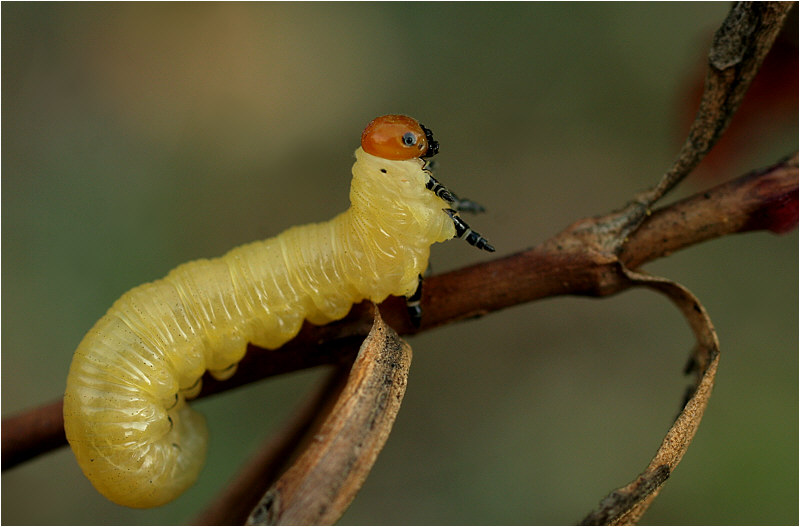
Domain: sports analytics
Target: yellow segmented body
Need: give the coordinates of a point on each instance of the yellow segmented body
(125, 410)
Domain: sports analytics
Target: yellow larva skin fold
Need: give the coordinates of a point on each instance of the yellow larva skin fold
(125, 410)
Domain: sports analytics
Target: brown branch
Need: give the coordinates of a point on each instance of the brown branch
(565, 265)
(32, 433)
(591, 257)
(761, 200)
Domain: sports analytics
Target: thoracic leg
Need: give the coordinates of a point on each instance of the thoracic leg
(413, 305)
(464, 232)
(461, 205)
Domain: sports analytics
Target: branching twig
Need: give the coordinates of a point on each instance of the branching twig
(739, 47)
(596, 257)
(762, 200)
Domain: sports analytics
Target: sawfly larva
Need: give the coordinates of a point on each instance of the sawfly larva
(125, 411)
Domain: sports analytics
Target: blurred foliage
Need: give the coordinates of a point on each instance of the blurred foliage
(139, 136)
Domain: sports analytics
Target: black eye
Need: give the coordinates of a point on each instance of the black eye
(409, 139)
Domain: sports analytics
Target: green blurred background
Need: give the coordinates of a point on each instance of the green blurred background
(140, 136)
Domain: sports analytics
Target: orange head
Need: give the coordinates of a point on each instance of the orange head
(398, 137)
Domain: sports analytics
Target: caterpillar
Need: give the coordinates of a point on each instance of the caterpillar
(125, 411)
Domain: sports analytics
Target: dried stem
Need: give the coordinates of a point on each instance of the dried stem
(739, 47)
(626, 505)
(319, 486)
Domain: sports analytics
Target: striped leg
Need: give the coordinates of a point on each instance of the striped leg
(464, 232)
(461, 205)
(440, 190)
(462, 229)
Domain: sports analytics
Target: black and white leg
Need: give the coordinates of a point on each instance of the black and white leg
(456, 203)
(464, 232)
(413, 305)
(440, 190)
